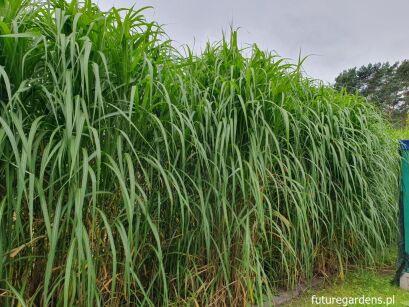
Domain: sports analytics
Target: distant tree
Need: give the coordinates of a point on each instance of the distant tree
(384, 84)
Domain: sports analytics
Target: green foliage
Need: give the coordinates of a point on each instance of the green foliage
(133, 175)
(383, 84)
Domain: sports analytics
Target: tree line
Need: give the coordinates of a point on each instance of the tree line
(383, 84)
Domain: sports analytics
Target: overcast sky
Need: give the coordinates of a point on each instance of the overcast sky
(337, 34)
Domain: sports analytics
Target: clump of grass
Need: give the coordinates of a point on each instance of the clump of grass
(131, 174)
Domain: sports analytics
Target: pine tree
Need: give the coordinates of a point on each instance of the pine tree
(383, 84)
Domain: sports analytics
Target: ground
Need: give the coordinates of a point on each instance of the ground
(372, 283)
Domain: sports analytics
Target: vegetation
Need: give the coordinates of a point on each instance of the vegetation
(383, 84)
(132, 174)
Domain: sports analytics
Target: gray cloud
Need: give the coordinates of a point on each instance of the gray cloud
(337, 34)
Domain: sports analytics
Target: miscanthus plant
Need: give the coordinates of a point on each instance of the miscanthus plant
(133, 175)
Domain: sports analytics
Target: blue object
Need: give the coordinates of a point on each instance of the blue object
(403, 240)
(404, 147)
(404, 144)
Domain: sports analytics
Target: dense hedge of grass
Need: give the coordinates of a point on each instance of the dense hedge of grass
(130, 174)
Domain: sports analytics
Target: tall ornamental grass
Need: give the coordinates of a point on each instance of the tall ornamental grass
(131, 174)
